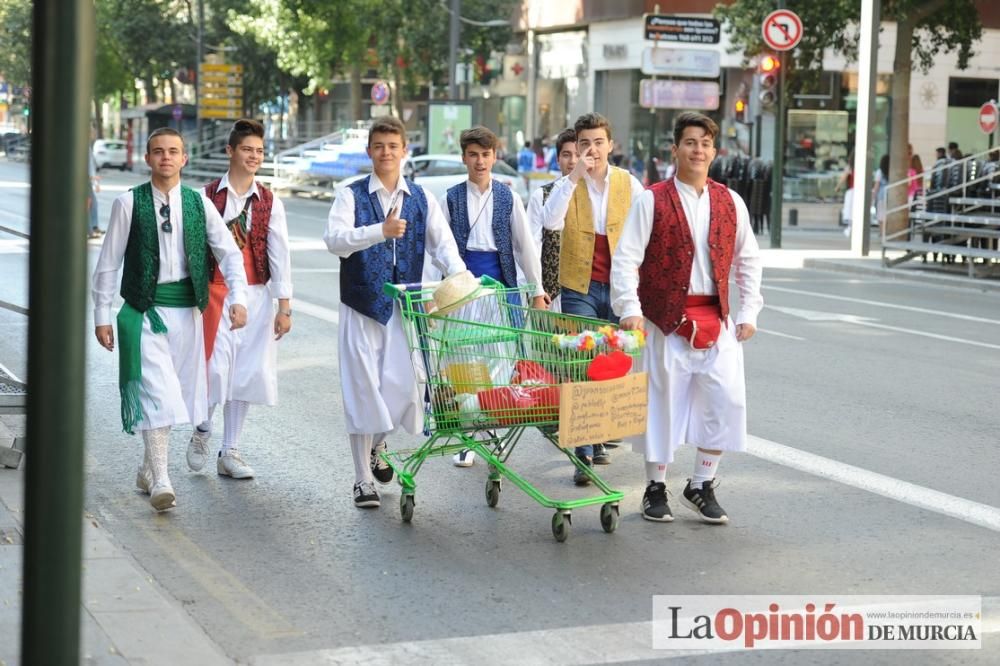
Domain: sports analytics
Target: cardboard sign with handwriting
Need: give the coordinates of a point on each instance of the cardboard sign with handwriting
(595, 412)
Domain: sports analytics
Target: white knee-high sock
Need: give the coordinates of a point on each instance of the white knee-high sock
(235, 413)
(157, 443)
(705, 467)
(656, 472)
(361, 449)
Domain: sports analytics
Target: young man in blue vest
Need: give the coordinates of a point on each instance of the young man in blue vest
(380, 227)
(164, 232)
(490, 227)
(670, 277)
(589, 207)
(243, 368)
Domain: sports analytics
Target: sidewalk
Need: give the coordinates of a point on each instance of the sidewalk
(127, 618)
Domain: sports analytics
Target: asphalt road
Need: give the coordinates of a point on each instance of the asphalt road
(873, 406)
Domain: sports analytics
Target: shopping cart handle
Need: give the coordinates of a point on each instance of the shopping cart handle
(394, 290)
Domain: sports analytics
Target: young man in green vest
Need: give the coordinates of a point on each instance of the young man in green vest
(163, 232)
(589, 207)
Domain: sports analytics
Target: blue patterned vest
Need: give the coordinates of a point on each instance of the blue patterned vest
(363, 273)
(503, 207)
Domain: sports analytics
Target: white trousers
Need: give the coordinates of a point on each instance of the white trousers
(695, 397)
(379, 386)
(244, 363)
(174, 386)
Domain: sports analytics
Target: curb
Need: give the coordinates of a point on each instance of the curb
(911, 275)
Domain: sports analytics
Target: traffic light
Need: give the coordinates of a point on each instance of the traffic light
(767, 77)
(740, 110)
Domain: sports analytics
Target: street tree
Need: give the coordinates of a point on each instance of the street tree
(925, 30)
(15, 35)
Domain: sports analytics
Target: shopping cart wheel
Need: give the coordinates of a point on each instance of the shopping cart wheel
(609, 517)
(492, 492)
(561, 522)
(406, 507)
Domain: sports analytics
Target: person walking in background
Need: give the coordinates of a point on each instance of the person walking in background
(880, 186)
(526, 158)
(95, 187)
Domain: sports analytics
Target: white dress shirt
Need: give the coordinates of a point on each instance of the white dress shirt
(278, 256)
(536, 212)
(747, 263)
(344, 239)
(527, 255)
(559, 199)
(173, 260)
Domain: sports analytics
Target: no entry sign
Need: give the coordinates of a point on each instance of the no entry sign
(782, 30)
(988, 117)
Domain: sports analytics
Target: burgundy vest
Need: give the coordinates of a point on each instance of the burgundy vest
(260, 222)
(665, 273)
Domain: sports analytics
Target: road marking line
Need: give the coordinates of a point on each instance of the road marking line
(975, 513)
(780, 335)
(315, 270)
(241, 602)
(895, 306)
(318, 311)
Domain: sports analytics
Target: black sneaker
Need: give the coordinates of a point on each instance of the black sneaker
(613, 443)
(654, 503)
(580, 477)
(601, 455)
(365, 495)
(702, 501)
(380, 468)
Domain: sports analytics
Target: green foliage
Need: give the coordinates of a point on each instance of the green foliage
(15, 36)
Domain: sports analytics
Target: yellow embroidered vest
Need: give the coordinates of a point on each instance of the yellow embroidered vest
(576, 256)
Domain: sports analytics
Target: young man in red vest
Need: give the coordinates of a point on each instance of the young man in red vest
(242, 369)
(670, 277)
(166, 235)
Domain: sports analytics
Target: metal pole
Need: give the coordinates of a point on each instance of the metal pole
(867, 78)
(63, 67)
(778, 172)
(530, 99)
(197, 80)
(454, 31)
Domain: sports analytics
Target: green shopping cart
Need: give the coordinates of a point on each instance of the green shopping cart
(491, 370)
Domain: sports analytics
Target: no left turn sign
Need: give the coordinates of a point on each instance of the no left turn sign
(782, 30)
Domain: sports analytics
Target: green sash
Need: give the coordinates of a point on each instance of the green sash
(169, 295)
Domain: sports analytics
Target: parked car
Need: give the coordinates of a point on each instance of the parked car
(437, 173)
(110, 153)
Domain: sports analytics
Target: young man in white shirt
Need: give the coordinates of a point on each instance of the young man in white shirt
(490, 228)
(589, 206)
(242, 369)
(549, 240)
(380, 227)
(670, 277)
(164, 233)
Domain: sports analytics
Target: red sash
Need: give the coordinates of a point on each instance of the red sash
(217, 291)
(701, 322)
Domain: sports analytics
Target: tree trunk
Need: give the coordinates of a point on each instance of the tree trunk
(98, 119)
(397, 92)
(899, 137)
(356, 107)
(150, 89)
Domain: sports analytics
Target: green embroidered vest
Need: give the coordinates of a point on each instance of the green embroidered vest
(142, 253)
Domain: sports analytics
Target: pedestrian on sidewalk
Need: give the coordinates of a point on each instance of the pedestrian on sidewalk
(380, 227)
(95, 187)
(589, 207)
(166, 234)
(490, 228)
(546, 239)
(670, 277)
(242, 367)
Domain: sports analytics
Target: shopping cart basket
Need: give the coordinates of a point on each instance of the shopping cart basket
(491, 370)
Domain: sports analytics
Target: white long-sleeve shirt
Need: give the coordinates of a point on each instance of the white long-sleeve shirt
(278, 256)
(536, 215)
(527, 255)
(173, 260)
(557, 205)
(344, 239)
(747, 262)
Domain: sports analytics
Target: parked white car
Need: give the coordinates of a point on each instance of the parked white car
(110, 153)
(437, 173)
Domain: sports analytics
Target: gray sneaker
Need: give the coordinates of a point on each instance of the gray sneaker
(231, 464)
(198, 451)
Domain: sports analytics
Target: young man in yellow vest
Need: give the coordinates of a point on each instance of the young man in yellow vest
(670, 277)
(589, 207)
(164, 233)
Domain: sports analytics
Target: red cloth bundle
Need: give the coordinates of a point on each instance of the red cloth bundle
(512, 405)
(702, 322)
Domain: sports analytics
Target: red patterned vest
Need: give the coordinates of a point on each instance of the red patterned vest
(665, 273)
(260, 221)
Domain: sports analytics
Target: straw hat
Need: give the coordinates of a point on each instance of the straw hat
(455, 291)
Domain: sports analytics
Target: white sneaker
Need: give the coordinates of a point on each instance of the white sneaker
(231, 464)
(197, 451)
(464, 458)
(162, 497)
